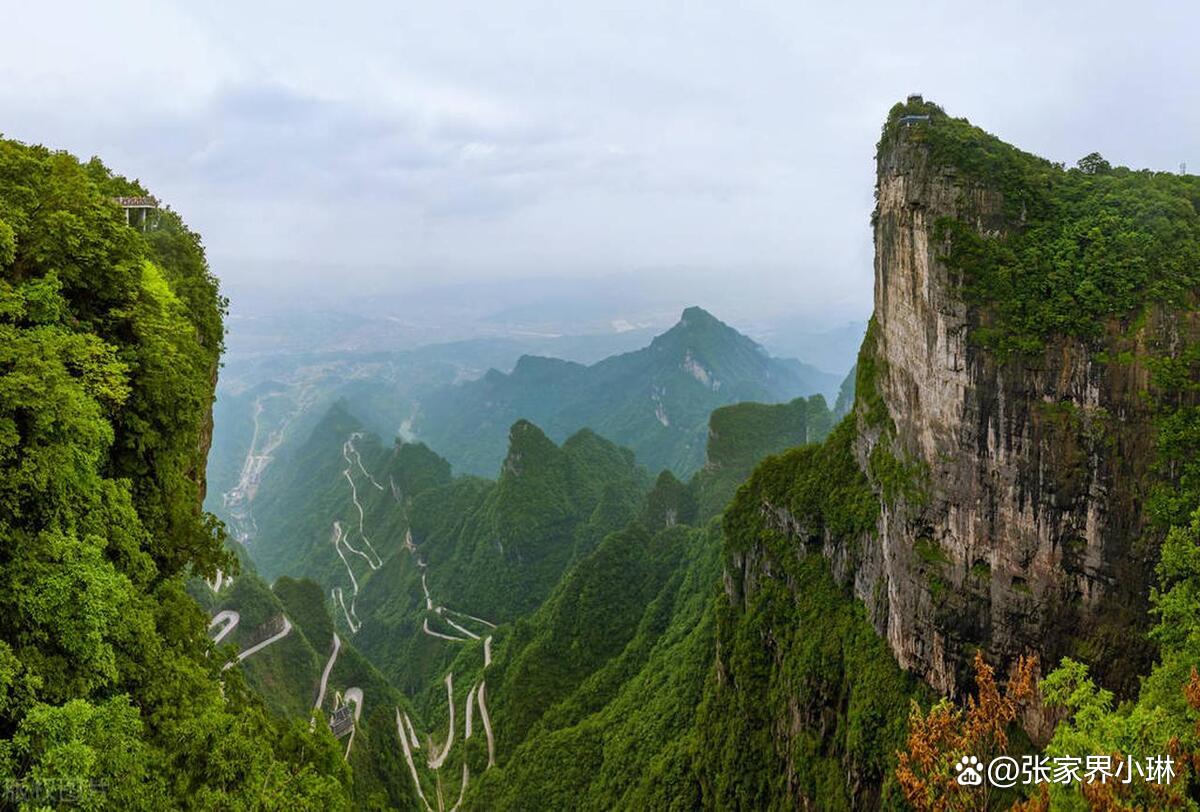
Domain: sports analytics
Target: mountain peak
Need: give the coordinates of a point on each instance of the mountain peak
(700, 332)
(526, 443)
(539, 366)
(695, 316)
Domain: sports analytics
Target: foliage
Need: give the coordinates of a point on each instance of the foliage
(109, 344)
(802, 705)
(739, 436)
(1165, 718)
(938, 738)
(820, 486)
(618, 730)
(1077, 247)
(795, 646)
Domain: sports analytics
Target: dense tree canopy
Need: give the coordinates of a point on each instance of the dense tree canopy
(110, 339)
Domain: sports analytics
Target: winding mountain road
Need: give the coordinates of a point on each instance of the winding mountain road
(230, 620)
(438, 756)
(337, 645)
(470, 709)
(437, 609)
(432, 633)
(336, 595)
(351, 615)
(487, 623)
(354, 695)
(462, 788)
(460, 622)
(467, 632)
(408, 757)
(347, 449)
(487, 723)
(257, 647)
(358, 458)
(341, 537)
(217, 583)
(476, 698)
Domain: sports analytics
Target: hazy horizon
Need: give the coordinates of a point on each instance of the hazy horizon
(380, 149)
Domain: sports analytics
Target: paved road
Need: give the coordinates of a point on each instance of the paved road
(351, 615)
(462, 788)
(337, 645)
(438, 757)
(432, 633)
(412, 767)
(470, 710)
(230, 618)
(347, 448)
(487, 723)
(287, 628)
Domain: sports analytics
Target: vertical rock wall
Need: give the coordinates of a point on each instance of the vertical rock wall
(1024, 538)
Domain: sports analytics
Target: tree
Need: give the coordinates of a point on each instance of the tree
(109, 345)
(937, 740)
(1165, 718)
(1093, 164)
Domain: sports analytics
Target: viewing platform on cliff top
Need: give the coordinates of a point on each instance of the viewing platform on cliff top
(138, 210)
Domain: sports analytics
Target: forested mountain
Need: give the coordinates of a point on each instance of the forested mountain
(269, 401)
(571, 564)
(1023, 437)
(655, 401)
(306, 670)
(109, 343)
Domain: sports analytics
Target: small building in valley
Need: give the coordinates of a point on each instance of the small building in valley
(341, 721)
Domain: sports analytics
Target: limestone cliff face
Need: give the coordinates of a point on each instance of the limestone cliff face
(1023, 537)
(999, 487)
(1022, 525)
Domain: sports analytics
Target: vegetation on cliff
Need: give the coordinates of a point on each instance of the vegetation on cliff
(1163, 720)
(1101, 261)
(109, 342)
(1078, 246)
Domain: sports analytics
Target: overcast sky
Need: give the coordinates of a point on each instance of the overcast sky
(405, 143)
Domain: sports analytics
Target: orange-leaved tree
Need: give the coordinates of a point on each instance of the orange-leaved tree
(937, 740)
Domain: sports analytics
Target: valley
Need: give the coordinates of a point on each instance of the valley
(445, 764)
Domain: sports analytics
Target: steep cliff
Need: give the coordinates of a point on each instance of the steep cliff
(1026, 428)
(110, 335)
(1028, 436)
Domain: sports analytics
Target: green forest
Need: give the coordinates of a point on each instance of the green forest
(110, 340)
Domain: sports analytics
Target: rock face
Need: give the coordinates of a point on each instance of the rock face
(1024, 429)
(1023, 534)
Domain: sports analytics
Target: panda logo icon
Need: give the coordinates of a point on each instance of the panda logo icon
(969, 775)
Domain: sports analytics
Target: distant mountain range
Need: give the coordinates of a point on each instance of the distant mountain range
(656, 400)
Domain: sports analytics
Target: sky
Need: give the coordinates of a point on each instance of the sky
(380, 146)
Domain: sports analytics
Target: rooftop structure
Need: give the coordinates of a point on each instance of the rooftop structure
(341, 721)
